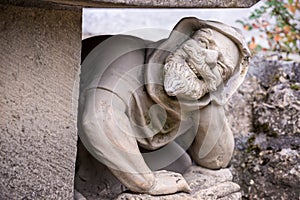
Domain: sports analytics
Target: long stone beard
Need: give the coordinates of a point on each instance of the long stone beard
(181, 81)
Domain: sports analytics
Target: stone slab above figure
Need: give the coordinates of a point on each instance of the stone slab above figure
(148, 109)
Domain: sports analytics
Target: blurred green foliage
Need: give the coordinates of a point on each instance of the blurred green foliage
(278, 22)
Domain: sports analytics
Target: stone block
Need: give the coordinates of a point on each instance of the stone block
(136, 3)
(39, 76)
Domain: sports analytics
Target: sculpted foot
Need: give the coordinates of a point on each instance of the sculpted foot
(167, 182)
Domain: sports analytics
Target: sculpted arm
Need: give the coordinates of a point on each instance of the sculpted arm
(108, 137)
(214, 143)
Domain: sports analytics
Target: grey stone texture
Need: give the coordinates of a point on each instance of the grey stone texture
(39, 75)
(139, 3)
(266, 163)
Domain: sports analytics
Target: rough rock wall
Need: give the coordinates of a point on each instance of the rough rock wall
(39, 75)
(266, 124)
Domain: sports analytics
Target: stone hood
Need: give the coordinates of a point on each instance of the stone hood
(183, 31)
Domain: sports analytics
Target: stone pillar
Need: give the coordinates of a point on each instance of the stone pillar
(39, 75)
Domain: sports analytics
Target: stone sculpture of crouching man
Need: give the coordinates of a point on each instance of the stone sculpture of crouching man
(163, 99)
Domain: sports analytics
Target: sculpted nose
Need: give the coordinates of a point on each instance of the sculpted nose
(211, 57)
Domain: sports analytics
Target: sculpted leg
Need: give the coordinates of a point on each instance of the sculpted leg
(214, 143)
(107, 135)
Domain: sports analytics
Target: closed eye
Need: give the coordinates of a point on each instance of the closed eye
(204, 42)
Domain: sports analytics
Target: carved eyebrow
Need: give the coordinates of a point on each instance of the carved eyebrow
(207, 31)
(204, 35)
(206, 41)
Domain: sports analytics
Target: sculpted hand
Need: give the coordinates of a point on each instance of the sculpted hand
(167, 182)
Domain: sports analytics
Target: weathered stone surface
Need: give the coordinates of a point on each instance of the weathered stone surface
(267, 160)
(39, 74)
(205, 184)
(138, 3)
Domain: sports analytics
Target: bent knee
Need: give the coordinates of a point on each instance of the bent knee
(218, 157)
(214, 162)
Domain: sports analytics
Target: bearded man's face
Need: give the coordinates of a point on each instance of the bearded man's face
(200, 65)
